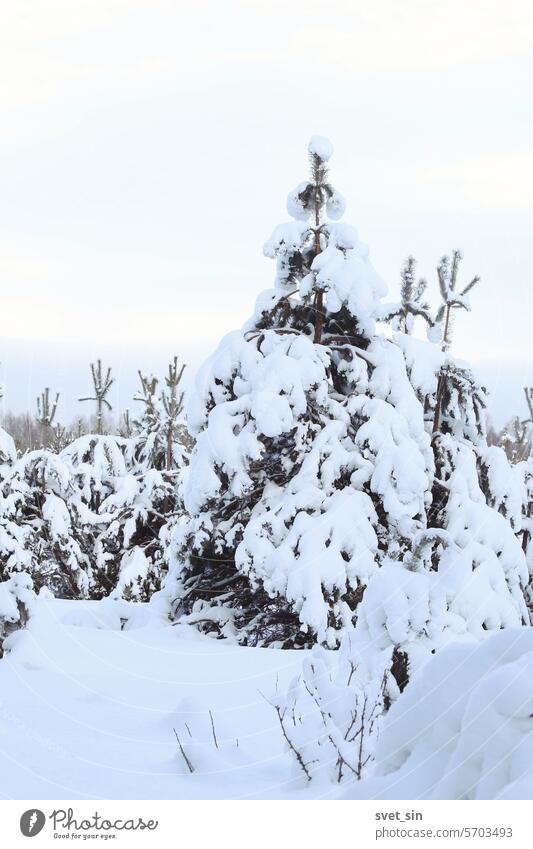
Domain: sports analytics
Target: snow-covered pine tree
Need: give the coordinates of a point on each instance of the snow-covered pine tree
(129, 553)
(124, 494)
(116, 503)
(60, 438)
(38, 491)
(321, 494)
(161, 440)
(148, 426)
(16, 586)
(312, 462)
(138, 534)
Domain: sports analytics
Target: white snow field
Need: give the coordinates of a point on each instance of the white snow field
(87, 710)
(92, 692)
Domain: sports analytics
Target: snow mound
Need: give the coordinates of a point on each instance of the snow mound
(320, 146)
(463, 729)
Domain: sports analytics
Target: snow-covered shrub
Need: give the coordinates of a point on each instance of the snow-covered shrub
(49, 544)
(463, 728)
(14, 554)
(16, 586)
(94, 516)
(342, 696)
(122, 504)
(525, 469)
(86, 523)
(330, 715)
(404, 618)
(16, 601)
(129, 553)
(8, 451)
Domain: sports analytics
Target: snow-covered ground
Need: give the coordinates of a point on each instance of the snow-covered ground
(93, 693)
(88, 709)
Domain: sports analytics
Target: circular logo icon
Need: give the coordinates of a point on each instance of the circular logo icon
(32, 822)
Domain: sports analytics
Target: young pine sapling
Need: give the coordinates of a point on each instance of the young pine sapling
(173, 407)
(452, 300)
(412, 301)
(102, 385)
(46, 412)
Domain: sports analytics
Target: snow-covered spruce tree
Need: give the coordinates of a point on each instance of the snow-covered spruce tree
(312, 462)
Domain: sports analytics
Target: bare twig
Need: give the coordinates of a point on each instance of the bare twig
(294, 750)
(185, 758)
(213, 729)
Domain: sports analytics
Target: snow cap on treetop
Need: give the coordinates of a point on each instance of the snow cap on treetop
(313, 195)
(320, 146)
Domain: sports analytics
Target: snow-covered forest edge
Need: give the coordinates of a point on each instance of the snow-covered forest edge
(311, 577)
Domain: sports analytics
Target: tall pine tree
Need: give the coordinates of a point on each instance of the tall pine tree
(317, 471)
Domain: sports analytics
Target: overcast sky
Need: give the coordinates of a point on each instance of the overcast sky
(147, 148)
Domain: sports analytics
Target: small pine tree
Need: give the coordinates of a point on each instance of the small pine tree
(60, 438)
(101, 385)
(46, 412)
(528, 421)
(173, 406)
(452, 300)
(126, 426)
(412, 301)
(161, 437)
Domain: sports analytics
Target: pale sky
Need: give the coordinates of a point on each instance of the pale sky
(147, 148)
